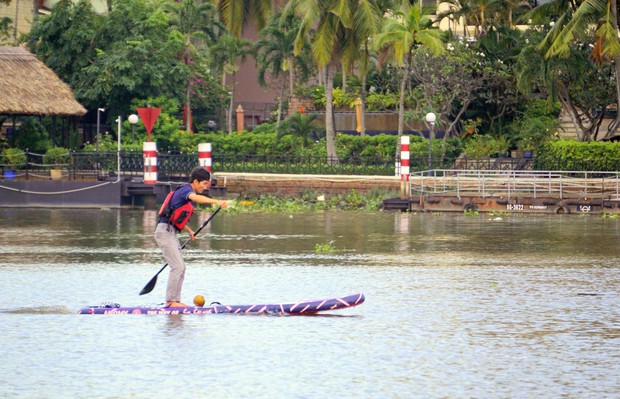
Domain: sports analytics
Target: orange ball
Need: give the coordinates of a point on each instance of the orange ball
(199, 300)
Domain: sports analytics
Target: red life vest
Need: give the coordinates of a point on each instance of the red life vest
(178, 217)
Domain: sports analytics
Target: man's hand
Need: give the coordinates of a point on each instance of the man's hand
(190, 232)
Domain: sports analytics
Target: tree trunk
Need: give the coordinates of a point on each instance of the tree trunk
(231, 106)
(613, 126)
(291, 79)
(280, 104)
(584, 132)
(363, 116)
(188, 110)
(330, 133)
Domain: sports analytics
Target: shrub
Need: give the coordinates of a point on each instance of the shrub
(14, 157)
(381, 102)
(483, 146)
(381, 146)
(537, 125)
(32, 135)
(300, 126)
(572, 155)
(56, 155)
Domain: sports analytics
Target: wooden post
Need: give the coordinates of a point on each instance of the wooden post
(358, 115)
(149, 150)
(204, 156)
(404, 167)
(239, 118)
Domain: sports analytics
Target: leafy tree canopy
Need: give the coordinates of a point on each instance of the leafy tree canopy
(139, 49)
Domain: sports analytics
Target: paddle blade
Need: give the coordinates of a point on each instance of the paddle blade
(149, 286)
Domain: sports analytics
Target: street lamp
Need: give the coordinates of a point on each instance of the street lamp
(133, 119)
(99, 111)
(118, 152)
(430, 118)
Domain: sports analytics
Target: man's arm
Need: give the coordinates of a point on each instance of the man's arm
(204, 200)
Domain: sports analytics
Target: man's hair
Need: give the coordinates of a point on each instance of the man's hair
(199, 173)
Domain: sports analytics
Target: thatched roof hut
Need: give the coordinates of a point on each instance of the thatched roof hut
(28, 87)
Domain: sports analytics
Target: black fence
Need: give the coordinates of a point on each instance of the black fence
(170, 166)
(174, 166)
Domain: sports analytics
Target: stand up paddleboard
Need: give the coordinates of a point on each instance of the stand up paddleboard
(298, 308)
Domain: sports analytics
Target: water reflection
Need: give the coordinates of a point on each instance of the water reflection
(401, 228)
(174, 325)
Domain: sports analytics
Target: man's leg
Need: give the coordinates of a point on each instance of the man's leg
(168, 243)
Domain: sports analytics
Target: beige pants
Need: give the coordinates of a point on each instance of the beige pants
(168, 242)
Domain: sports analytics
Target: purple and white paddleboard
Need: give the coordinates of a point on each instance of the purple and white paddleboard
(296, 308)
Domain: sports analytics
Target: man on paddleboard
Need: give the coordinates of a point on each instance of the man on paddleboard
(173, 217)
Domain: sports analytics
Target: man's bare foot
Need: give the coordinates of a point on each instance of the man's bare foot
(176, 305)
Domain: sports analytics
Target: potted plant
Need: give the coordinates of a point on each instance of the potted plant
(57, 158)
(13, 159)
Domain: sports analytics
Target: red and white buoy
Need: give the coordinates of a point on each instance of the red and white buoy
(149, 150)
(205, 159)
(404, 167)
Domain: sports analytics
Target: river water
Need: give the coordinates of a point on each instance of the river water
(456, 307)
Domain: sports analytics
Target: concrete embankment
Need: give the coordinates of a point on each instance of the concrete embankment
(256, 184)
(534, 192)
(131, 192)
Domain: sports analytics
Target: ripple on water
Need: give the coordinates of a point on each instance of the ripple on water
(455, 307)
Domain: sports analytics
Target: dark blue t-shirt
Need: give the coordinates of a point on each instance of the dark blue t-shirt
(179, 198)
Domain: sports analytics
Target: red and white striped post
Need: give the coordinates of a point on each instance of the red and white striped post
(149, 151)
(404, 167)
(205, 159)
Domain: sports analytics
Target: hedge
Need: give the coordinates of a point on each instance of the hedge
(571, 155)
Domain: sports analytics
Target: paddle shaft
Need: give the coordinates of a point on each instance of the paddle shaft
(151, 284)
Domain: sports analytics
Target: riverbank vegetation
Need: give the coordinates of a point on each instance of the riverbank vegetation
(312, 201)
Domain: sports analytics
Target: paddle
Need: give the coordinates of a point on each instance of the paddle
(151, 284)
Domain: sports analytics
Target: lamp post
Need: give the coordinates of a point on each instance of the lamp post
(118, 153)
(99, 111)
(133, 119)
(430, 118)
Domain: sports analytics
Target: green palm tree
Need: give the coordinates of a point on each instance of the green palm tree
(365, 59)
(224, 54)
(576, 81)
(275, 56)
(362, 55)
(409, 28)
(458, 10)
(478, 13)
(332, 26)
(235, 14)
(301, 126)
(197, 24)
(508, 8)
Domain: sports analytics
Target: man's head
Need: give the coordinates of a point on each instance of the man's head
(199, 173)
(199, 178)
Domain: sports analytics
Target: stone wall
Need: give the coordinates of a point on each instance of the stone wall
(253, 185)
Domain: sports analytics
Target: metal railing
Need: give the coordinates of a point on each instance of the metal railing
(291, 164)
(501, 183)
(174, 166)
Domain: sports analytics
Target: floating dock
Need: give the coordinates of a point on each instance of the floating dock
(554, 192)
